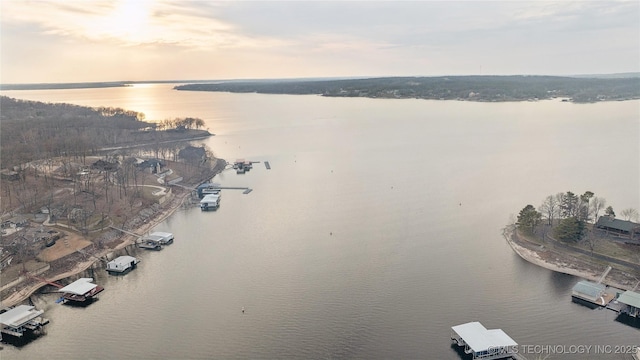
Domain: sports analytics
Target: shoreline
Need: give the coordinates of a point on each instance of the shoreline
(174, 204)
(561, 265)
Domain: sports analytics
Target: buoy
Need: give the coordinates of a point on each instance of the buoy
(243, 309)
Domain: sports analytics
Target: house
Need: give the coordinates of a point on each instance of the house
(589, 291)
(631, 300)
(617, 226)
(102, 165)
(153, 166)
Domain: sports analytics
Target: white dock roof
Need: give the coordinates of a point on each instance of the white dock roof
(19, 315)
(79, 287)
(480, 339)
(209, 198)
(123, 260)
(630, 298)
(162, 234)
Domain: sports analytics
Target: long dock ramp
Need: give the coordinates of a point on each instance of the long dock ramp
(125, 231)
(604, 274)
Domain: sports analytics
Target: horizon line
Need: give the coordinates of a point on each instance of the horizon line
(630, 74)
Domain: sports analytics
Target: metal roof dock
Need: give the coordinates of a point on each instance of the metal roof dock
(632, 300)
(482, 343)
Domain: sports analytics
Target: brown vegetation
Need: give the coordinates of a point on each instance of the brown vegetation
(71, 191)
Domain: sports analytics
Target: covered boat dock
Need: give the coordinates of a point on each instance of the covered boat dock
(21, 323)
(482, 343)
(632, 301)
(80, 292)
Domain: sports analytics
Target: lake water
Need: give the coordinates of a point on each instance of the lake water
(376, 230)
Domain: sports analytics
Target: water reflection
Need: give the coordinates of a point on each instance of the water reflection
(561, 283)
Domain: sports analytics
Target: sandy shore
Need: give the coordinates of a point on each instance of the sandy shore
(561, 264)
(24, 293)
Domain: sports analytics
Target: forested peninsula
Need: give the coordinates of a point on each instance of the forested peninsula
(468, 88)
(34, 130)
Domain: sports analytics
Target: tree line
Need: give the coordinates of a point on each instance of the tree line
(33, 130)
(475, 88)
(570, 213)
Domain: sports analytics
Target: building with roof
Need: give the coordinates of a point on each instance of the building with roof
(122, 265)
(631, 300)
(589, 291)
(617, 226)
(482, 343)
(21, 324)
(80, 292)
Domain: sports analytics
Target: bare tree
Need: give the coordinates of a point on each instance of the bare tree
(597, 204)
(630, 214)
(591, 239)
(550, 208)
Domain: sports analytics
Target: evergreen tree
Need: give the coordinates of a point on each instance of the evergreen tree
(570, 229)
(528, 218)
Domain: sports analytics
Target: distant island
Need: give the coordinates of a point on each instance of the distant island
(467, 88)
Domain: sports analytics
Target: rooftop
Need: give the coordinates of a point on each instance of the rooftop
(630, 298)
(19, 315)
(589, 288)
(123, 260)
(79, 287)
(479, 339)
(613, 223)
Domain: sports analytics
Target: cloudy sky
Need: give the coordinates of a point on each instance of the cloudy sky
(81, 40)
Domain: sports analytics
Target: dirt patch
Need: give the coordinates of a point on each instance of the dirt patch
(64, 246)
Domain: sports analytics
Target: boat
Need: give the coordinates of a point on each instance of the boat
(122, 265)
(210, 202)
(81, 292)
(150, 244)
(21, 324)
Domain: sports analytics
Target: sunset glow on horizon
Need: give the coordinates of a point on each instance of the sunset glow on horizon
(133, 40)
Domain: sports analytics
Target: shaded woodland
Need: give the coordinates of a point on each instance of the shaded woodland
(34, 130)
(471, 88)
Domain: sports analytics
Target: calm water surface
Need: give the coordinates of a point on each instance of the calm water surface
(376, 230)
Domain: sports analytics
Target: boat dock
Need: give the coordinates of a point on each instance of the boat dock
(21, 323)
(150, 244)
(481, 343)
(80, 292)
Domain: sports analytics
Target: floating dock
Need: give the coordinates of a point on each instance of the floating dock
(21, 324)
(122, 265)
(630, 303)
(267, 165)
(163, 238)
(482, 343)
(81, 292)
(150, 244)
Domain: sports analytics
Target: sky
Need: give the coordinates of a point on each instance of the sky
(139, 40)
